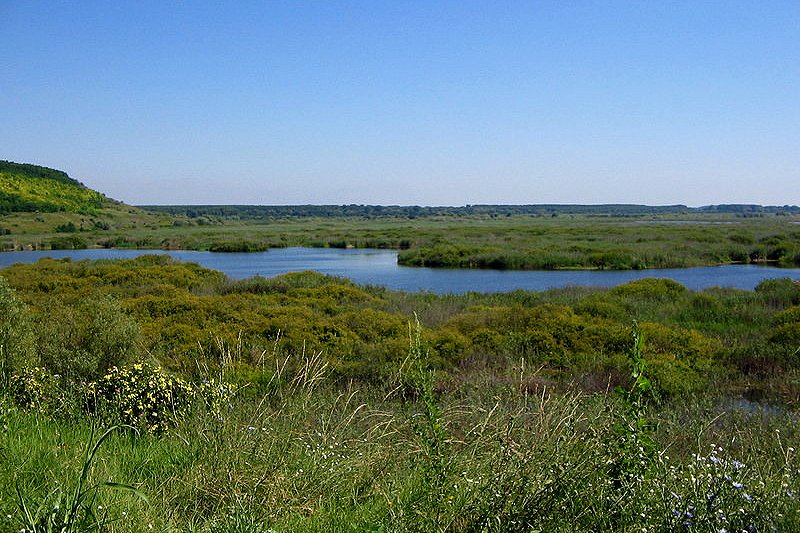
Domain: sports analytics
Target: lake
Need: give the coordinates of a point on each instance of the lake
(379, 267)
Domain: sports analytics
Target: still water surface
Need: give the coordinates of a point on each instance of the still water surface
(379, 267)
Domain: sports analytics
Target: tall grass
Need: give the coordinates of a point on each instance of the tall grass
(312, 454)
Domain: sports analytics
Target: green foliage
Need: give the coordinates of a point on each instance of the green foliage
(72, 509)
(504, 237)
(147, 398)
(641, 392)
(69, 227)
(651, 288)
(680, 360)
(36, 171)
(36, 389)
(17, 341)
(477, 424)
(72, 242)
(82, 340)
(183, 312)
(322, 456)
(238, 247)
(418, 379)
(779, 293)
(32, 188)
(634, 449)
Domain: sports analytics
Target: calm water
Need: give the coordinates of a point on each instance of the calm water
(379, 267)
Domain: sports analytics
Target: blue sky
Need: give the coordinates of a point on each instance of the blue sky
(406, 102)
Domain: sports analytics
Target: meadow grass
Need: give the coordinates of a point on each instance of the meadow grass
(316, 455)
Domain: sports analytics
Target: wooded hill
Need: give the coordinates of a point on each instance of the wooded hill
(32, 188)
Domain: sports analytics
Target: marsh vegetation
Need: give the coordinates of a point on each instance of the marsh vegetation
(308, 403)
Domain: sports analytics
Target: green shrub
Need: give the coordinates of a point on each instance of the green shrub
(17, 341)
(651, 289)
(36, 389)
(146, 397)
(68, 227)
(601, 306)
(680, 360)
(787, 334)
(71, 242)
(83, 340)
(779, 293)
(788, 316)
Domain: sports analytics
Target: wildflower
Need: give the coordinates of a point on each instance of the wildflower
(737, 485)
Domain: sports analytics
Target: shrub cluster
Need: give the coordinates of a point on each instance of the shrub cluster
(140, 395)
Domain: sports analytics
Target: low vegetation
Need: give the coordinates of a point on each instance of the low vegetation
(44, 209)
(308, 403)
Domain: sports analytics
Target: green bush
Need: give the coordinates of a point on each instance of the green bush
(146, 397)
(779, 293)
(680, 360)
(651, 288)
(68, 227)
(36, 389)
(82, 341)
(788, 316)
(787, 334)
(17, 341)
(71, 242)
(602, 307)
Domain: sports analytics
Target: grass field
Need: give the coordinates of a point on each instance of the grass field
(313, 455)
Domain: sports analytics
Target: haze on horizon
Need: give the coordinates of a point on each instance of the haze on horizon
(408, 103)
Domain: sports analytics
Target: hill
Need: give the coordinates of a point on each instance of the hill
(32, 188)
(42, 208)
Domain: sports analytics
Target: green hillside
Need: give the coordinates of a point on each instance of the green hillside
(30, 188)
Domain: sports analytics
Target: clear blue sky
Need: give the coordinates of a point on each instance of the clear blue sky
(401, 102)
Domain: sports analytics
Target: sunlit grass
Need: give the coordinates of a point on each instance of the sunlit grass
(312, 456)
